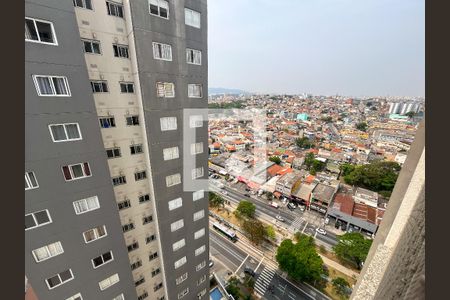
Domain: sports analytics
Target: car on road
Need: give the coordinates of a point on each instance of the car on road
(224, 192)
(279, 218)
(302, 207)
(274, 204)
(247, 189)
(249, 271)
(247, 195)
(291, 206)
(211, 263)
(321, 231)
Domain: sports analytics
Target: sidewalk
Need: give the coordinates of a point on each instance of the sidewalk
(339, 267)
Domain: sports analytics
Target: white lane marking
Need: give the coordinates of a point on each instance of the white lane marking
(306, 224)
(223, 257)
(225, 248)
(241, 264)
(259, 264)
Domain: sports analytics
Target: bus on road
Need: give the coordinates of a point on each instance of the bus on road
(230, 234)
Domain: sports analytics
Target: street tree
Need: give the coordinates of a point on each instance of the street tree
(353, 247)
(245, 209)
(215, 200)
(270, 232)
(340, 285)
(300, 260)
(275, 159)
(255, 230)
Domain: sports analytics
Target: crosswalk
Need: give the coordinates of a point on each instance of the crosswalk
(264, 279)
(296, 224)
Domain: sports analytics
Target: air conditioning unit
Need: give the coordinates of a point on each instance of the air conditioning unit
(94, 35)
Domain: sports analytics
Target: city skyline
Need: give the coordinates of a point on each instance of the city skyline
(375, 48)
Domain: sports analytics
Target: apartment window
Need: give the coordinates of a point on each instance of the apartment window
(183, 293)
(194, 90)
(144, 198)
(91, 46)
(85, 205)
(107, 122)
(197, 148)
(76, 171)
(37, 219)
(47, 85)
(173, 204)
(162, 51)
(156, 272)
(180, 262)
(106, 283)
(140, 175)
(75, 297)
(99, 86)
(136, 149)
(102, 259)
(201, 294)
(128, 227)
(120, 50)
(153, 256)
(197, 173)
(133, 246)
(165, 89)
(176, 225)
(65, 132)
(40, 31)
(171, 153)
(143, 296)
(150, 239)
(196, 121)
(48, 251)
(136, 265)
(83, 4)
(201, 280)
(147, 219)
(159, 8)
(113, 152)
(198, 195)
(181, 278)
(178, 245)
(30, 181)
(124, 204)
(59, 279)
(200, 250)
(132, 120)
(168, 123)
(139, 281)
(193, 57)
(172, 180)
(114, 9)
(127, 87)
(119, 297)
(157, 286)
(94, 234)
(192, 17)
(199, 215)
(199, 233)
(200, 266)
(119, 180)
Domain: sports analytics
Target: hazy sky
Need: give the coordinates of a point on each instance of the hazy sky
(349, 47)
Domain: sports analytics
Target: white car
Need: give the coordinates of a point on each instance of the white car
(224, 192)
(279, 218)
(274, 204)
(321, 231)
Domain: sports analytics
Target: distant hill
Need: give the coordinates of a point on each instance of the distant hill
(218, 91)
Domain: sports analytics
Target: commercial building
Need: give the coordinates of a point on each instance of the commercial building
(107, 85)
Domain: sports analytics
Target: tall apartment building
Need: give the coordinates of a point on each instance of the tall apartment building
(145, 61)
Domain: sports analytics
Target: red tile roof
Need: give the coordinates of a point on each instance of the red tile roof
(346, 203)
(273, 170)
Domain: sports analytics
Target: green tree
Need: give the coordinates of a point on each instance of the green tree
(309, 160)
(303, 143)
(352, 247)
(317, 165)
(340, 285)
(361, 126)
(347, 169)
(377, 176)
(410, 114)
(270, 232)
(245, 209)
(215, 200)
(255, 230)
(233, 288)
(327, 119)
(275, 159)
(300, 260)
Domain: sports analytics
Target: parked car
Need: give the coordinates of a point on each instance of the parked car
(302, 207)
(326, 221)
(211, 263)
(247, 189)
(247, 195)
(224, 192)
(279, 218)
(321, 231)
(274, 204)
(291, 206)
(249, 271)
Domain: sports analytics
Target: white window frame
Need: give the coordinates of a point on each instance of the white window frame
(71, 172)
(85, 202)
(177, 225)
(196, 148)
(163, 49)
(181, 278)
(199, 233)
(51, 288)
(84, 4)
(65, 132)
(97, 237)
(191, 88)
(92, 47)
(198, 195)
(179, 263)
(127, 84)
(175, 203)
(35, 27)
(189, 17)
(183, 293)
(122, 178)
(166, 121)
(35, 220)
(201, 280)
(197, 173)
(116, 10)
(199, 215)
(172, 180)
(171, 153)
(50, 77)
(56, 245)
(157, 3)
(178, 245)
(119, 297)
(121, 48)
(29, 182)
(200, 266)
(163, 86)
(76, 297)
(104, 263)
(111, 280)
(195, 121)
(200, 250)
(195, 53)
